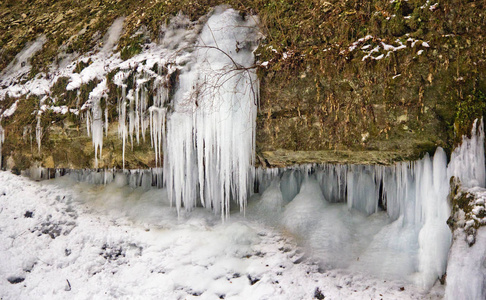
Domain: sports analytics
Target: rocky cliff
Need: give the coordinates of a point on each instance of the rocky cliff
(340, 81)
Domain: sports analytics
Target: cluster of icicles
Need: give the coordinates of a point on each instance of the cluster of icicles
(413, 194)
(207, 138)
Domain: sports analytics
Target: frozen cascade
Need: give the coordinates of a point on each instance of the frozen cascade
(210, 135)
(395, 221)
(467, 161)
(135, 115)
(399, 234)
(388, 220)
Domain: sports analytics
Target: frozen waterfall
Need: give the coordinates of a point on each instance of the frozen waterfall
(195, 93)
(394, 223)
(208, 153)
(390, 221)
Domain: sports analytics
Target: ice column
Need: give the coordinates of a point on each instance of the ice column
(122, 111)
(467, 160)
(432, 210)
(97, 118)
(2, 140)
(38, 132)
(210, 135)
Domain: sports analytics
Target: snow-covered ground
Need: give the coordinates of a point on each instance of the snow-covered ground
(62, 240)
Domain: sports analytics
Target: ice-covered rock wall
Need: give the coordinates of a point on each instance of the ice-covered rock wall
(466, 268)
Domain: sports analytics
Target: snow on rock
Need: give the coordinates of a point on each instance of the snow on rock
(20, 65)
(11, 110)
(466, 269)
(62, 240)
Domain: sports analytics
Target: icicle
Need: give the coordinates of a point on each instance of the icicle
(363, 189)
(2, 140)
(97, 118)
(131, 115)
(88, 123)
(106, 121)
(122, 113)
(38, 132)
(157, 130)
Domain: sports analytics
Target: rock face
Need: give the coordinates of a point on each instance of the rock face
(340, 81)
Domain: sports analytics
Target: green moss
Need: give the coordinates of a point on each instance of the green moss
(132, 49)
(81, 65)
(468, 110)
(58, 89)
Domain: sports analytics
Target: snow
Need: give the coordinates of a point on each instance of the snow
(20, 65)
(113, 35)
(63, 240)
(389, 49)
(11, 110)
(359, 41)
(392, 48)
(434, 6)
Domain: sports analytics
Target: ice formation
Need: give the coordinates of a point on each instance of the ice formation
(467, 161)
(38, 132)
(388, 220)
(2, 140)
(210, 135)
(413, 240)
(466, 271)
(95, 118)
(201, 117)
